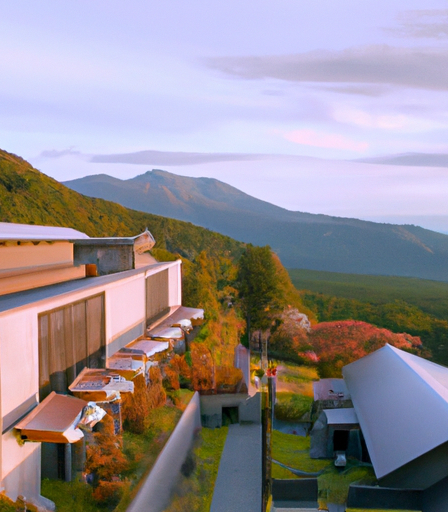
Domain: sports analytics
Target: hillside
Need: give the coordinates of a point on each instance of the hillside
(28, 196)
(301, 240)
(400, 304)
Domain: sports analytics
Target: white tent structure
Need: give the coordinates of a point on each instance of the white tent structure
(401, 402)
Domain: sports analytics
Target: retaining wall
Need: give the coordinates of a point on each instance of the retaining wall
(365, 497)
(154, 494)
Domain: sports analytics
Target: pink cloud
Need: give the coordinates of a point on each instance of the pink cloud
(325, 140)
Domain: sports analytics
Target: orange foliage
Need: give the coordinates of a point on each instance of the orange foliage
(182, 369)
(104, 456)
(136, 406)
(228, 377)
(339, 343)
(171, 379)
(203, 368)
(108, 492)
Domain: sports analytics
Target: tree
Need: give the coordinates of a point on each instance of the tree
(259, 287)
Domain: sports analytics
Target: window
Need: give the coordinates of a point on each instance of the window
(157, 296)
(70, 338)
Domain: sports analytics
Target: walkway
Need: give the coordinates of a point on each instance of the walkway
(238, 485)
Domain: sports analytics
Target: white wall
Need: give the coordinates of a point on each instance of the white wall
(19, 359)
(28, 256)
(125, 306)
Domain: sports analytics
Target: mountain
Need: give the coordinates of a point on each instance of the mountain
(414, 159)
(30, 197)
(302, 240)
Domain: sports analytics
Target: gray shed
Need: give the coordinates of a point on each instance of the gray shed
(336, 430)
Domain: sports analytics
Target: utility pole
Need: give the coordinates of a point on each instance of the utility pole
(267, 418)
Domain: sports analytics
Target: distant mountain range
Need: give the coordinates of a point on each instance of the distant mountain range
(413, 159)
(302, 240)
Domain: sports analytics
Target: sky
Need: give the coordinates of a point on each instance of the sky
(302, 104)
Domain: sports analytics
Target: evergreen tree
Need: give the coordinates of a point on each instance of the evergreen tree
(259, 287)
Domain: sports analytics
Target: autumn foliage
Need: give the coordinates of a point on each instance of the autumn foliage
(339, 343)
(105, 461)
(137, 405)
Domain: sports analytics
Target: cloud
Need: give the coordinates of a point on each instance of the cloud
(424, 68)
(426, 23)
(172, 158)
(53, 153)
(372, 91)
(362, 118)
(325, 140)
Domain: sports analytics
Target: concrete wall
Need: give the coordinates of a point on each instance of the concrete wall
(435, 499)
(360, 496)
(249, 408)
(301, 490)
(154, 494)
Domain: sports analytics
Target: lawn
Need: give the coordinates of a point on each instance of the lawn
(294, 452)
(194, 491)
(333, 484)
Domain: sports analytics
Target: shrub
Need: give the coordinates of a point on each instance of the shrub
(228, 377)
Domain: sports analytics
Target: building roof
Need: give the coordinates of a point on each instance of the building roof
(401, 401)
(343, 416)
(33, 233)
(20, 299)
(330, 389)
(142, 242)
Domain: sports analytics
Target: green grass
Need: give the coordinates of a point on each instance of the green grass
(142, 450)
(294, 452)
(69, 496)
(292, 406)
(195, 492)
(430, 296)
(333, 484)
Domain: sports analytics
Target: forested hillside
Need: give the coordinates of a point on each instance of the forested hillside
(301, 240)
(414, 306)
(30, 197)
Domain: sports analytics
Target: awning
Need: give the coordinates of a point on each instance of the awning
(195, 315)
(125, 366)
(145, 348)
(166, 333)
(100, 385)
(54, 420)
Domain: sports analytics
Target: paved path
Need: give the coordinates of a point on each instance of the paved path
(238, 485)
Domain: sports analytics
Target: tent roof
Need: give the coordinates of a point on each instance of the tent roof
(401, 401)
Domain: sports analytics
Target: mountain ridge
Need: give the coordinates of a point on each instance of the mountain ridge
(302, 240)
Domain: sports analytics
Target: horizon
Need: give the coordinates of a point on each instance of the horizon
(282, 102)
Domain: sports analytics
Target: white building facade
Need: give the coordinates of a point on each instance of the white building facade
(54, 321)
